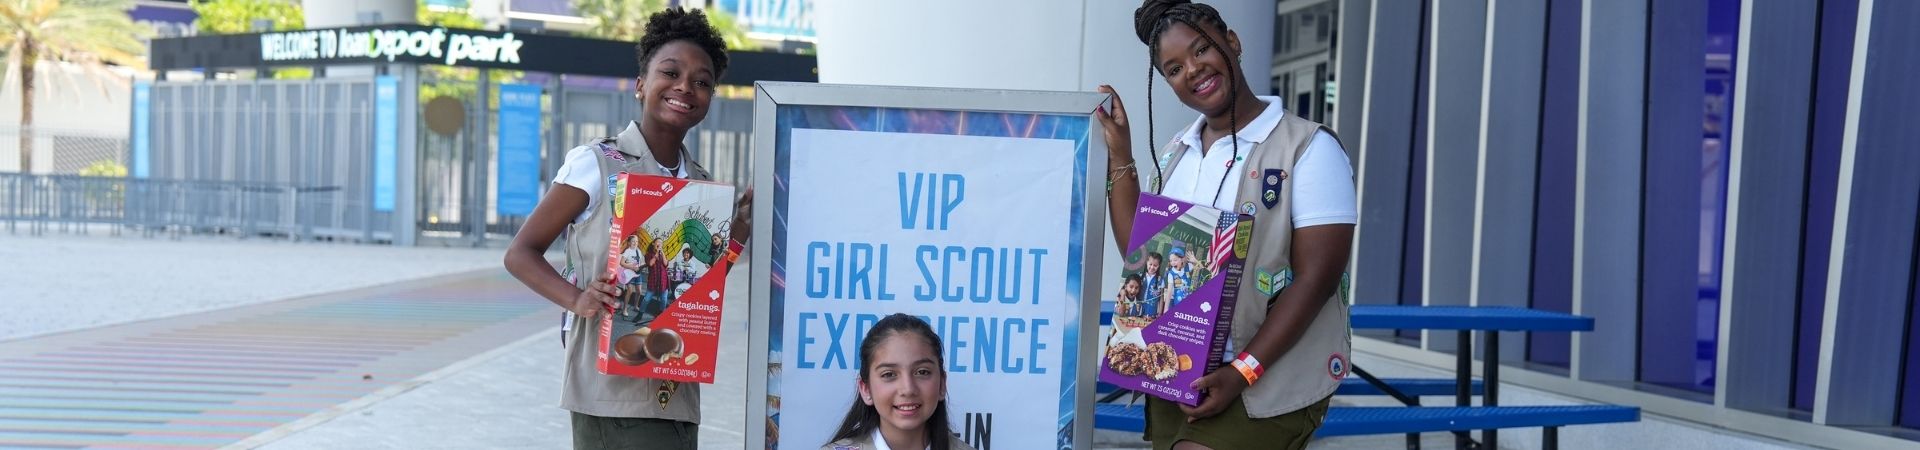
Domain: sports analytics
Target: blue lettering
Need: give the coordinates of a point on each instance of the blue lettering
(1012, 364)
(981, 256)
(862, 255)
(805, 340)
(925, 253)
(948, 256)
(1037, 346)
(955, 187)
(955, 344)
(840, 269)
(1010, 279)
(837, 329)
(816, 285)
(909, 209)
(983, 348)
(884, 294)
(1038, 254)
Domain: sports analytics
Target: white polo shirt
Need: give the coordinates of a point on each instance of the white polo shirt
(1323, 190)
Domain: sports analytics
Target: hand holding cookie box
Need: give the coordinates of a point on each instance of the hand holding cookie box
(1177, 294)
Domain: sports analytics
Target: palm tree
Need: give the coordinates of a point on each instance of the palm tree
(90, 33)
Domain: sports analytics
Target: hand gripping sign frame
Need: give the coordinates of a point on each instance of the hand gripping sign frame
(1052, 335)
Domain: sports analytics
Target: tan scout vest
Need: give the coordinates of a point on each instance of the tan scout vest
(1313, 368)
(586, 390)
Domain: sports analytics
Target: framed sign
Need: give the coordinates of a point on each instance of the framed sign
(970, 209)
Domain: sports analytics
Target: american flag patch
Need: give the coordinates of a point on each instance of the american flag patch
(1222, 242)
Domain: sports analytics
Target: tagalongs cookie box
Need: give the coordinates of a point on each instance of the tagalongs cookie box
(668, 253)
(1174, 312)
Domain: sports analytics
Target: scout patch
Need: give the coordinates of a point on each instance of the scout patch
(1270, 187)
(610, 151)
(1337, 366)
(666, 393)
(1247, 208)
(1270, 283)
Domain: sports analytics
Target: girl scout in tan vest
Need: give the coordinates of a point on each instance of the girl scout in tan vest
(681, 59)
(1290, 339)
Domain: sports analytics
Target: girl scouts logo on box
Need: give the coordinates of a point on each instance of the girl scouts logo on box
(1172, 210)
(664, 189)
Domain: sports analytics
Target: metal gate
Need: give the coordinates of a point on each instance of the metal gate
(308, 136)
(457, 186)
(314, 138)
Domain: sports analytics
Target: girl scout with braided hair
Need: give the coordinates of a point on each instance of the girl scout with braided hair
(1290, 342)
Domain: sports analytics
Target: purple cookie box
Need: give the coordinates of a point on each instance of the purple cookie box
(1199, 325)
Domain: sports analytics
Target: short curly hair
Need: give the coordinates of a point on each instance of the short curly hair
(679, 23)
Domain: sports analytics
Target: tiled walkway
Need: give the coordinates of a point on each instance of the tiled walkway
(212, 379)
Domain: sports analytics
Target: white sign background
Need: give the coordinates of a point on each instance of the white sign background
(846, 188)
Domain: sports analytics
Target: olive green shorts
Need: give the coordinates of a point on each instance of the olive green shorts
(595, 432)
(1232, 429)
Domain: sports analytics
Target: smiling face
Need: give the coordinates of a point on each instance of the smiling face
(1198, 70)
(1131, 289)
(905, 383)
(677, 86)
(1176, 261)
(1153, 265)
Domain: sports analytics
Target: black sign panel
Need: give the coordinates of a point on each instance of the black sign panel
(416, 44)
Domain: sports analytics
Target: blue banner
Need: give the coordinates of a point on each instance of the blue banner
(386, 137)
(788, 19)
(517, 186)
(142, 152)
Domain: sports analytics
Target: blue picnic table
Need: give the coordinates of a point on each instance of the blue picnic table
(1415, 418)
(1465, 320)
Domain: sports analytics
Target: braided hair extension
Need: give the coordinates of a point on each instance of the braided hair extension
(1149, 22)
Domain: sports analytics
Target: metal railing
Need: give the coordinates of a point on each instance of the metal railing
(42, 203)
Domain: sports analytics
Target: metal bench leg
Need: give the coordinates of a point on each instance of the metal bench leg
(1550, 438)
(1463, 383)
(1490, 372)
(1413, 439)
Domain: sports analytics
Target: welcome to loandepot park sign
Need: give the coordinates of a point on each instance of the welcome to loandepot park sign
(428, 45)
(445, 46)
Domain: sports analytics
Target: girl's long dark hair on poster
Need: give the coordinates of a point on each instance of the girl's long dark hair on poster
(863, 418)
